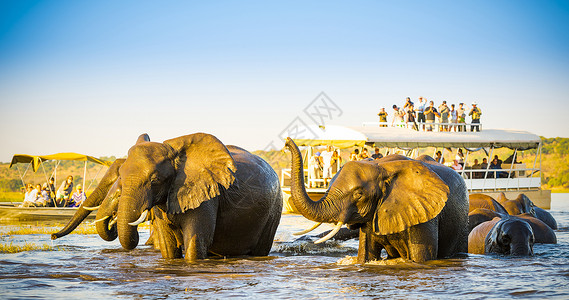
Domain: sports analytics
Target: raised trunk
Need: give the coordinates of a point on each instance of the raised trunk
(323, 210)
(128, 212)
(93, 200)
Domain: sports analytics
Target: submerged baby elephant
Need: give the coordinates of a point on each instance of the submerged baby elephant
(414, 209)
(205, 198)
(510, 236)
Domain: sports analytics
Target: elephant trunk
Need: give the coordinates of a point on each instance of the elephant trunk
(323, 210)
(107, 214)
(128, 212)
(93, 200)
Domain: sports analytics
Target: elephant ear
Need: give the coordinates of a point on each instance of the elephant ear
(413, 194)
(203, 167)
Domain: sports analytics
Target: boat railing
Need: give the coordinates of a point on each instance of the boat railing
(437, 126)
(511, 179)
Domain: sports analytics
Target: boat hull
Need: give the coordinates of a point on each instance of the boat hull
(10, 212)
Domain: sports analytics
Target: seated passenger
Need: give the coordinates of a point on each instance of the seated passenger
(30, 196)
(439, 157)
(64, 192)
(78, 197)
(44, 196)
(496, 165)
(376, 155)
(456, 166)
(477, 166)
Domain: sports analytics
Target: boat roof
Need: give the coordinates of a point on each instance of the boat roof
(405, 138)
(36, 160)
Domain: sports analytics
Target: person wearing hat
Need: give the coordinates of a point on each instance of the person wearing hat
(475, 113)
(78, 197)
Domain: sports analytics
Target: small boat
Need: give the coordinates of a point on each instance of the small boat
(11, 211)
(518, 177)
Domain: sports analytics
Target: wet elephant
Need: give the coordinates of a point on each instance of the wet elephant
(543, 234)
(522, 204)
(221, 200)
(414, 209)
(484, 201)
(507, 236)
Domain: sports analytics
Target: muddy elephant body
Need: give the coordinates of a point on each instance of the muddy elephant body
(414, 209)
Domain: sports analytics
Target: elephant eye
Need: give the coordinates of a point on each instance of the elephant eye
(358, 194)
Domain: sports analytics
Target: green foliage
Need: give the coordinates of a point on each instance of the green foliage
(10, 185)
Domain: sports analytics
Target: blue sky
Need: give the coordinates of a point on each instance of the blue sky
(89, 77)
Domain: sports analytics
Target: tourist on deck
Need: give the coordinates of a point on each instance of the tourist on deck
(64, 192)
(439, 157)
(460, 157)
(496, 165)
(408, 103)
(51, 188)
(444, 112)
(498, 160)
(314, 167)
(364, 154)
(411, 122)
(336, 162)
(354, 155)
(398, 115)
(475, 113)
(453, 119)
(430, 114)
(420, 109)
(44, 200)
(476, 166)
(456, 166)
(78, 197)
(376, 155)
(461, 114)
(30, 196)
(484, 164)
(382, 117)
(326, 157)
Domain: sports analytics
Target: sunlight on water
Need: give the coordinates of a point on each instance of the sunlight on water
(84, 266)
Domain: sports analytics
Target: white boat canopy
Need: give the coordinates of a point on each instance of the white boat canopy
(404, 138)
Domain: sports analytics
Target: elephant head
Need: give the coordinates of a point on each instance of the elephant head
(393, 194)
(510, 236)
(521, 205)
(175, 176)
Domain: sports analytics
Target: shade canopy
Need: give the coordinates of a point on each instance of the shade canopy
(36, 160)
(404, 138)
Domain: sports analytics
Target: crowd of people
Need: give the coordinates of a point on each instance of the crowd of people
(425, 116)
(324, 165)
(47, 196)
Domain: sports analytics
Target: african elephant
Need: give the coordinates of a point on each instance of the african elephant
(481, 215)
(216, 199)
(522, 204)
(484, 201)
(502, 235)
(414, 209)
(542, 233)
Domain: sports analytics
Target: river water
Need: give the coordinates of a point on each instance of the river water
(86, 267)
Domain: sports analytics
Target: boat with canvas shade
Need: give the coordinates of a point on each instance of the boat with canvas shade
(516, 177)
(12, 211)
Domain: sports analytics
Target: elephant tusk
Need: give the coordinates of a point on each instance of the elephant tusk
(308, 230)
(141, 219)
(111, 223)
(89, 208)
(102, 219)
(331, 234)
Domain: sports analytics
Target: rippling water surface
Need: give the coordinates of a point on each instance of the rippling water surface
(87, 267)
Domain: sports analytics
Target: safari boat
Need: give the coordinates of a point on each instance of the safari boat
(518, 177)
(11, 211)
